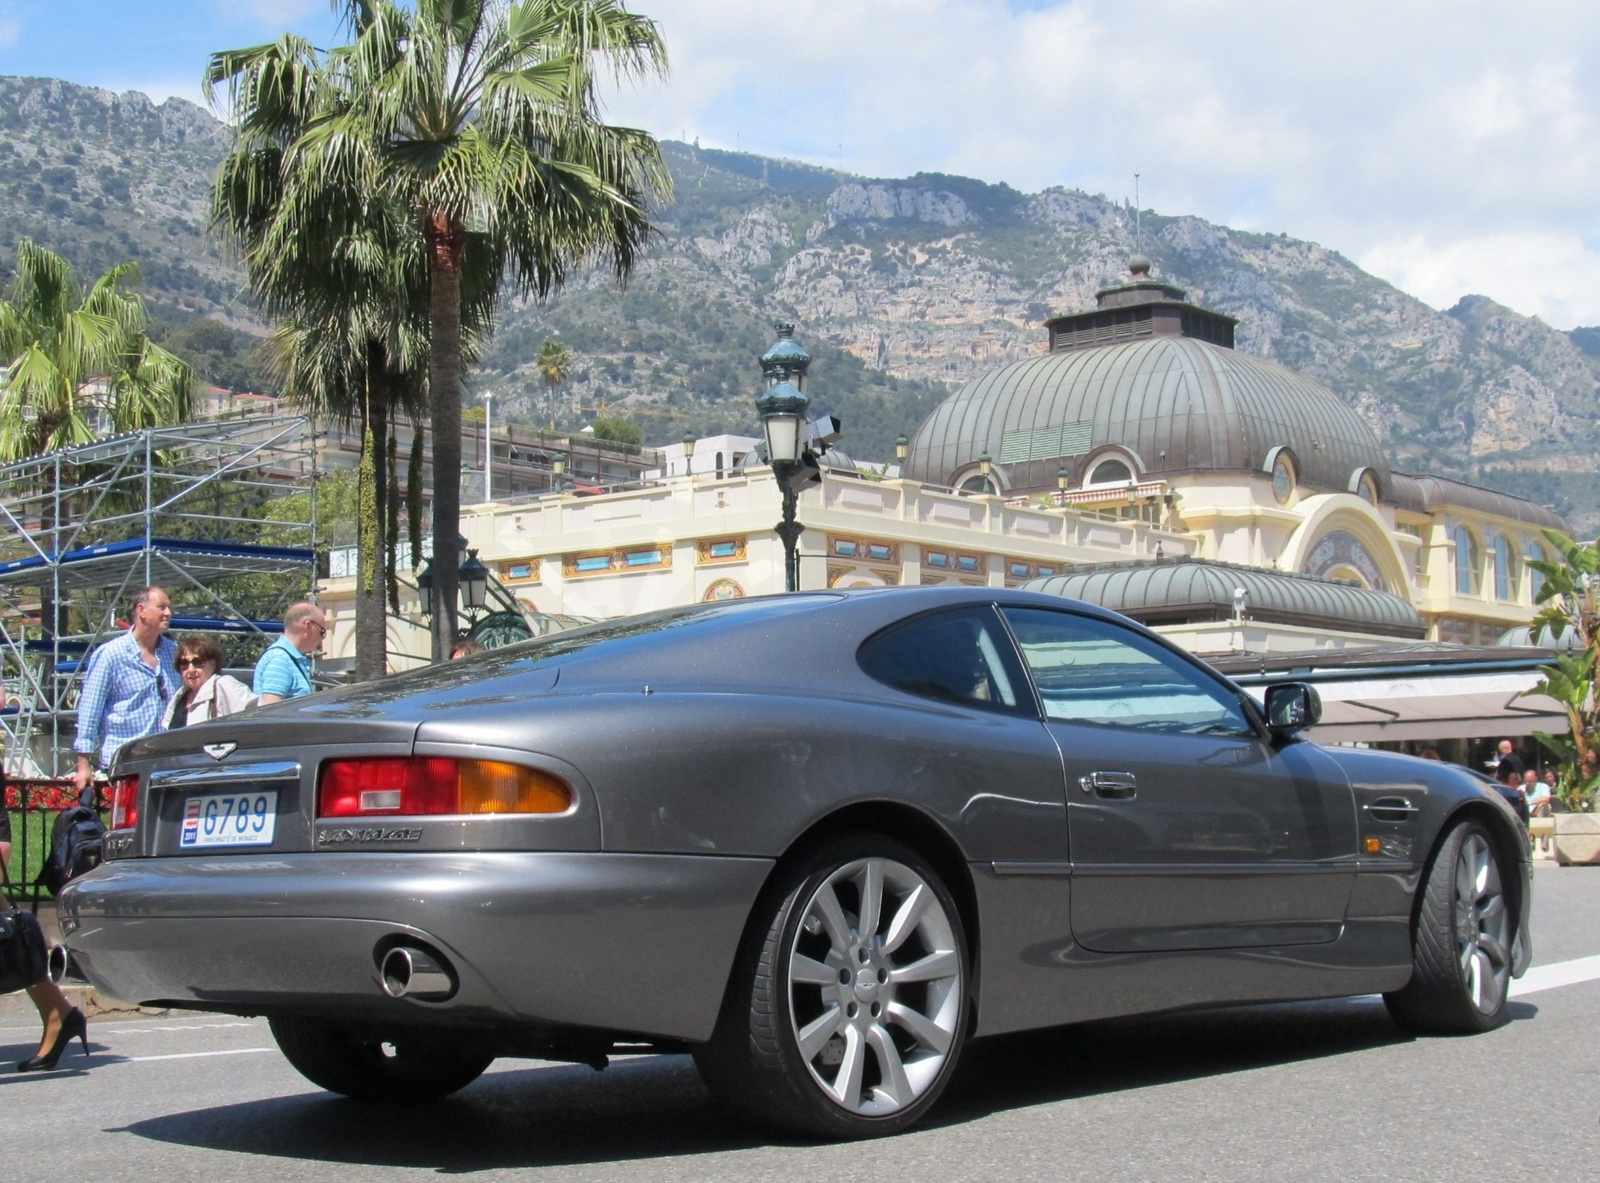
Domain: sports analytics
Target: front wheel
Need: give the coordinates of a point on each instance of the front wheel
(1461, 941)
(370, 1069)
(848, 1007)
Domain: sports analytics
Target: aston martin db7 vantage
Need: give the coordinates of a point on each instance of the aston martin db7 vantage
(819, 841)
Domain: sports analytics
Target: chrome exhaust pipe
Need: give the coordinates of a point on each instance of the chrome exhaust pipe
(58, 966)
(409, 972)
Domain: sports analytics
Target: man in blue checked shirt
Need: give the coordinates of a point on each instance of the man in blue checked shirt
(126, 686)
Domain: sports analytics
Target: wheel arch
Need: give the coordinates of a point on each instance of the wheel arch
(904, 823)
(1507, 848)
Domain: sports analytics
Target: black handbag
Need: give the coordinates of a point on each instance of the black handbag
(24, 960)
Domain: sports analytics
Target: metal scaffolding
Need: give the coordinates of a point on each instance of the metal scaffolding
(188, 508)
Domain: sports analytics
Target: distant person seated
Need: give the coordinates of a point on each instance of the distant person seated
(284, 670)
(1511, 789)
(466, 647)
(207, 692)
(1536, 793)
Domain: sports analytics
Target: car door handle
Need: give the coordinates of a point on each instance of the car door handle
(1121, 786)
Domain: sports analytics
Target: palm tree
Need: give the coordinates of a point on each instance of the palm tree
(77, 362)
(343, 269)
(554, 363)
(482, 119)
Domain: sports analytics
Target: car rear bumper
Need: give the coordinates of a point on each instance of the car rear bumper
(629, 943)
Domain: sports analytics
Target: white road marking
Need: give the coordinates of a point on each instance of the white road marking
(232, 1051)
(164, 1030)
(155, 1028)
(1561, 973)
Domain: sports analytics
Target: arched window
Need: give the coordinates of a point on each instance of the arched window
(1468, 562)
(1503, 568)
(1535, 577)
(1110, 471)
(978, 483)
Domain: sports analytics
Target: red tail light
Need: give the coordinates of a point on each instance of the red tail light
(386, 785)
(399, 786)
(125, 803)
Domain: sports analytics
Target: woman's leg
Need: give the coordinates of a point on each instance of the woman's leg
(47, 996)
(53, 1010)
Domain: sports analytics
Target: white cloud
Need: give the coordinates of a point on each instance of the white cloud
(1361, 124)
(1551, 276)
(9, 32)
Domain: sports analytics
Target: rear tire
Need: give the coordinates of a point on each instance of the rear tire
(849, 1002)
(1462, 939)
(367, 1069)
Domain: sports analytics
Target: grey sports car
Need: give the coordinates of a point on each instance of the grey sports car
(817, 840)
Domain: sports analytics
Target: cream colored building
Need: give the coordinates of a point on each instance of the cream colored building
(1141, 437)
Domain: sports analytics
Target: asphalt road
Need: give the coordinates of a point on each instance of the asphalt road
(1314, 1091)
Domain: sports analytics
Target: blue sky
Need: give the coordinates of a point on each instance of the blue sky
(156, 46)
(1451, 146)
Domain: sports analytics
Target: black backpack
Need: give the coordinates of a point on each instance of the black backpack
(77, 843)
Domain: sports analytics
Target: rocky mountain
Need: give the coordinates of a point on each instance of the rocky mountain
(901, 288)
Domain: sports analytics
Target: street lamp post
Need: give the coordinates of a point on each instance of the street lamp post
(688, 453)
(901, 445)
(783, 419)
(488, 445)
(558, 469)
(782, 408)
(1062, 476)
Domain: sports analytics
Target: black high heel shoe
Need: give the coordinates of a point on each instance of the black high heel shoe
(74, 1026)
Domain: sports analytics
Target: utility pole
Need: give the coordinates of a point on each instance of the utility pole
(488, 445)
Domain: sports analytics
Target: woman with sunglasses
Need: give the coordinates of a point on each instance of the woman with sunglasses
(207, 693)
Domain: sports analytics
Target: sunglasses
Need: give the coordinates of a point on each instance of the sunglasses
(184, 663)
(319, 626)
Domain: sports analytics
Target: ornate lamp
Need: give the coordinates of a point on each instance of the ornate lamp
(688, 453)
(782, 410)
(425, 586)
(474, 583)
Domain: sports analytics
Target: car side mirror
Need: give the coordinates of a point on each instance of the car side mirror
(1292, 707)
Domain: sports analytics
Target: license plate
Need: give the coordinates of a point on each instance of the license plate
(229, 819)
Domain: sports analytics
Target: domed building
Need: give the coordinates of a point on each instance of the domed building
(1139, 461)
(1142, 409)
(1143, 387)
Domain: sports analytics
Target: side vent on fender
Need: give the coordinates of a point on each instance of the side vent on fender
(1391, 809)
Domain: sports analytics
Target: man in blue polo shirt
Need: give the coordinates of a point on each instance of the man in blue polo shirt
(126, 686)
(284, 670)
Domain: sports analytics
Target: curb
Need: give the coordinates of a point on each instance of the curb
(86, 998)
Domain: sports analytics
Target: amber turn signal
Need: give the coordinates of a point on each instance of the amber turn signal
(490, 786)
(1374, 845)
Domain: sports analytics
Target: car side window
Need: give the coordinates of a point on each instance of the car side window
(1093, 671)
(962, 656)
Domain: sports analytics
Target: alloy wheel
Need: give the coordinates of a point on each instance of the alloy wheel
(875, 986)
(1483, 924)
